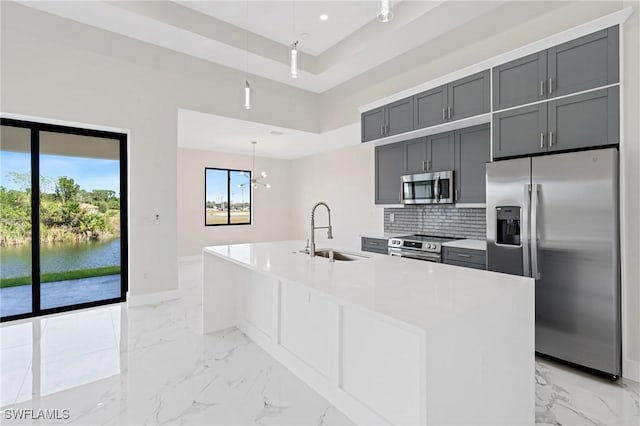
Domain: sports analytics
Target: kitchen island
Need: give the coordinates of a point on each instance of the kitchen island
(387, 340)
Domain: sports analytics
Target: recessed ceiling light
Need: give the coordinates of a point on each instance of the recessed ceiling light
(324, 17)
(304, 35)
(276, 132)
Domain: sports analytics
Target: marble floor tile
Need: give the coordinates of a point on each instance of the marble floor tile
(151, 365)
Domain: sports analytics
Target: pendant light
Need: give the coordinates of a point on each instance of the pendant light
(293, 48)
(385, 10)
(263, 175)
(247, 95)
(247, 85)
(294, 59)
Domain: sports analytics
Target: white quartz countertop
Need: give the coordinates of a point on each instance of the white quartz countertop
(468, 244)
(418, 293)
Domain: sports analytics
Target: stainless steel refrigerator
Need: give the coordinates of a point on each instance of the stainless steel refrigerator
(555, 218)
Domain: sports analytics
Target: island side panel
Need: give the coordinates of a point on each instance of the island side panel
(481, 364)
(220, 279)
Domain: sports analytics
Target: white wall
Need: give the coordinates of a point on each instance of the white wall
(271, 208)
(59, 69)
(344, 180)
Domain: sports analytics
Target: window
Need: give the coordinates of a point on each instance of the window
(227, 197)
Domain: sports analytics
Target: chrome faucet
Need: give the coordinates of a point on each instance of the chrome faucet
(312, 243)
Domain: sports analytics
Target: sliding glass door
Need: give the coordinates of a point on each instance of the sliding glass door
(71, 252)
(16, 283)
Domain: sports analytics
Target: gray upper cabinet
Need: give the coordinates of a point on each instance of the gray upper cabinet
(473, 151)
(415, 155)
(581, 64)
(433, 153)
(440, 152)
(430, 107)
(399, 117)
(585, 120)
(520, 131)
(372, 124)
(388, 172)
(469, 96)
(520, 82)
(580, 121)
(463, 98)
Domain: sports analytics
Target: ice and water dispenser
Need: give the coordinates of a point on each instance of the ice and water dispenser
(508, 225)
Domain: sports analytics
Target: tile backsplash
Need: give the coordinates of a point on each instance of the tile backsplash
(444, 220)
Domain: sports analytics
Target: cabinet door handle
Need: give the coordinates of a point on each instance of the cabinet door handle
(424, 166)
(550, 138)
(428, 164)
(386, 129)
(550, 86)
(382, 130)
(457, 194)
(444, 114)
(464, 255)
(541, 140)
(449, 114)
(541, 87)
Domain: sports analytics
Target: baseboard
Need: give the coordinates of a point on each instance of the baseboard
(631, 369)
(151, 298)
(194, 258)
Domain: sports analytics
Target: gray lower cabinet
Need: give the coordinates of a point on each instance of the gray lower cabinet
(374, 245)
(472, 148)
(469, 96)
(584, 63)
(581, 121)
(389, 169)
(464, 257)
(520, 131)
(372, 124)
(589, 119)
(520, 82)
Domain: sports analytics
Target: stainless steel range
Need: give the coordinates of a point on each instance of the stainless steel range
(418, 246)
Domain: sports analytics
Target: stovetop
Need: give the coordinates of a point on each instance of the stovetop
(420, 242)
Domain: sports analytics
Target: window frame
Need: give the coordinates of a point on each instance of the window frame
(228, 197)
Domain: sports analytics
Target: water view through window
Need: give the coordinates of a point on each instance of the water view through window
(79, 250)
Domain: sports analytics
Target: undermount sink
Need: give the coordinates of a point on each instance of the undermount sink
(337, 255)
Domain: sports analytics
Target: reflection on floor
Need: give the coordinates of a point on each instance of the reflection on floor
(151, 365)
(17, 300)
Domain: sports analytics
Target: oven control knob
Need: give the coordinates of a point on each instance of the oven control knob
(432, 246)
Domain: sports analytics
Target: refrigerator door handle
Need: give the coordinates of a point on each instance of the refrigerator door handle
(535, 269)
(525, 231)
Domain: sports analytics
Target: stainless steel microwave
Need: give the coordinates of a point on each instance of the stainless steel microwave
(428, 188)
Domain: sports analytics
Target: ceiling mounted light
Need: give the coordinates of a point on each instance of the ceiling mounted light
(385, 10)
(324, 17)
(294, 59)
(263, 175)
